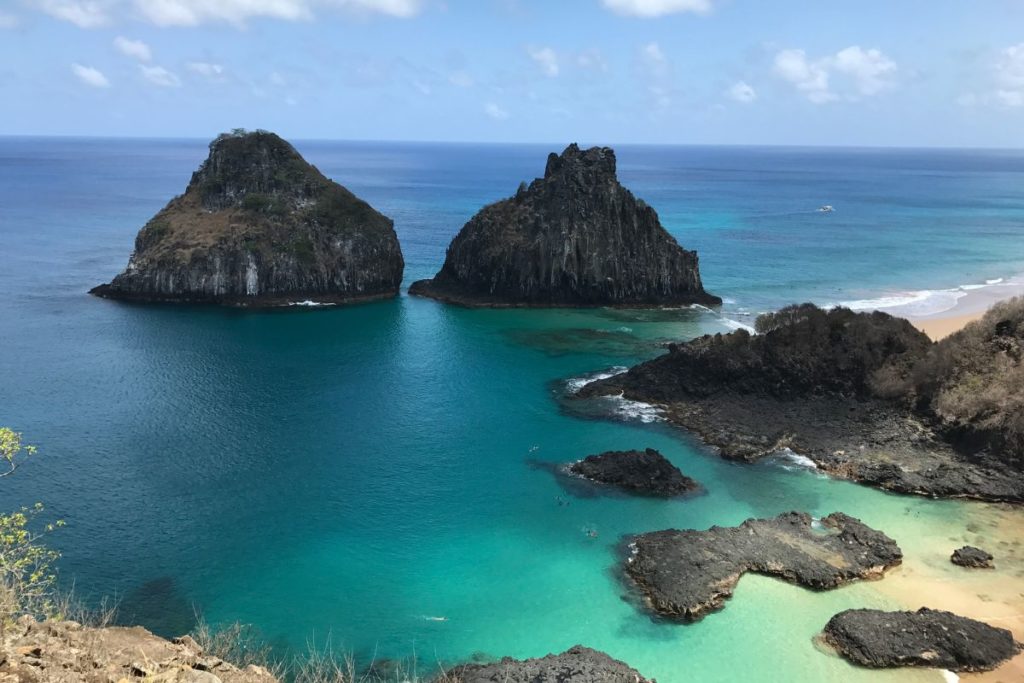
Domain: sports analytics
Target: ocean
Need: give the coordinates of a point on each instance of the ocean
(375, 476)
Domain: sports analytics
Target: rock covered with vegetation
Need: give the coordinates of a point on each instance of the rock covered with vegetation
(687, 574)
(577, 664)
(575, 237)
(258, 225)
(864, 395)
(646, 472)
(69, 652)
(929, 638)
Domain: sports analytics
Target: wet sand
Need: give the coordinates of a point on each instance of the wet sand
(996, 596)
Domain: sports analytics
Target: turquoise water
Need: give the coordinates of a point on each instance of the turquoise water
(356, 473)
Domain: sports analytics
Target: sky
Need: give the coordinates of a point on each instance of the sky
(908, 73)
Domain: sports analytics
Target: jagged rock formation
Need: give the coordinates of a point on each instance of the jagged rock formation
(929, 638)
(646, 472)
(575, 237)
(67, 652)
(685, 575)
(974, 558)
(258, 225)
(577, 664)
(857, 393)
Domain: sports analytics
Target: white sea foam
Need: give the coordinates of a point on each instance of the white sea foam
(949, 676)
(627, 409)
(926, 302)
(789, 457)
(309, 302)
(577, 383)
(625, 329)
(737, 325)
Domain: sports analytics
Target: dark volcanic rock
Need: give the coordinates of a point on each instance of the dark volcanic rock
(646, 472)
(969, 556)
(575, 237)
(686, 574)
(830, 385)
(930, 638)
(579, 664)
(258, 225)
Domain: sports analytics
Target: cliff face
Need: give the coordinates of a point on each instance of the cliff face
(258, 225)
(575, 237)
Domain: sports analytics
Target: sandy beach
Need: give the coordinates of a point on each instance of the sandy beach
(971, 306)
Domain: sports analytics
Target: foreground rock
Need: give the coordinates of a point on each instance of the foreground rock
(646, 472)
(686, 574)
(575, 237)
(259, 226)
(578, 664)
(864, 395)
(929, 638)
(972, 557)
(68, 652)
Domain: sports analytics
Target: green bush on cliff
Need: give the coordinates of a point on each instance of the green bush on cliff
(27, 578)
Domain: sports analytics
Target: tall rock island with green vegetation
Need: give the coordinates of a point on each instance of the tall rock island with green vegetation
(260, 226)
(575, 237)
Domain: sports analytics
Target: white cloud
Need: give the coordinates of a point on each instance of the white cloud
(810, 78)
(495, 111)
(8, 20)
(871, 70)
(591, 59)
(1009, 73)
(742, 92)
(213, 72)
(81, 13)
(546, 59)
(93, 13)
(461, 79)
(90, 76)
(157, 75)
(864, 73)
(133, 48)
(657, 8)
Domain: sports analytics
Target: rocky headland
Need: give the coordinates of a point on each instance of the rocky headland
(578, 664)
(972, 558)
(645, 472)
(684, 575)
(865, 396)
(259, 226)
(928, 638)
(575, 237)
(68, 652)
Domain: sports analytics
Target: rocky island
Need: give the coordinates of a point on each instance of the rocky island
(575, 237)
(578, 663)
(686, 574)
(645, 472)
(865, 396)
(929, 638)
(259, 226)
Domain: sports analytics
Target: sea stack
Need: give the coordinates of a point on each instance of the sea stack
(575, 237)
(260, 226)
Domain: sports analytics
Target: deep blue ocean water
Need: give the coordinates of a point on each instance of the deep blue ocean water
(361, 473)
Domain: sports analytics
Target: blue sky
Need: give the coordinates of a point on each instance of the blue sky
(901, 73)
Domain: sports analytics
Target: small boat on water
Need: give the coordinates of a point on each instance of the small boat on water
(827, 208)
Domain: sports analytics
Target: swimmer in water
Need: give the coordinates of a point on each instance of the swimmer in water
(436, 618)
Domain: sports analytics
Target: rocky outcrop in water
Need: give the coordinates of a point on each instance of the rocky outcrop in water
(685, 575)
(577, 664)
(67, 652)
(971, 557)
(575, 237)
(929, 638)
(645, 472)
(850, 391)
(258, 225)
